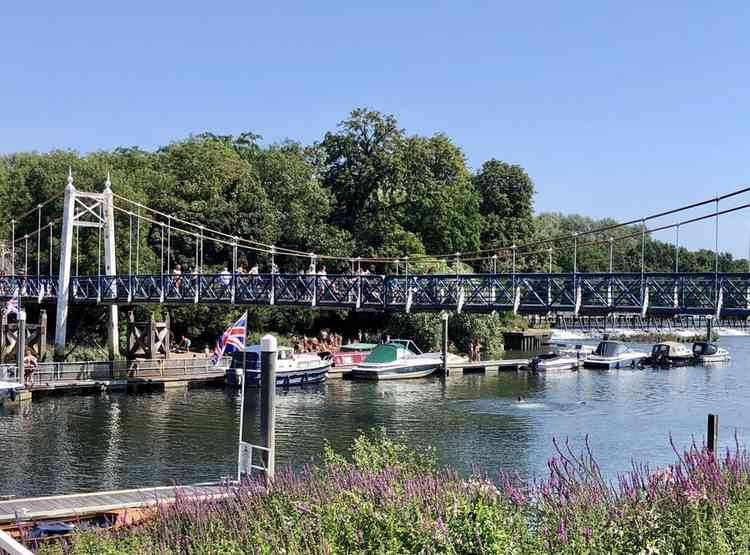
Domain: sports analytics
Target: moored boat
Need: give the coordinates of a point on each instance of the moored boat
(613, 354)
(555, 361)
(348, 357)
(397, 359)
(291, 368)
(669, 353)
(8, 390)
(704, 351)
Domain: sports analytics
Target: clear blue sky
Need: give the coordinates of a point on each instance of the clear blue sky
(614, 109)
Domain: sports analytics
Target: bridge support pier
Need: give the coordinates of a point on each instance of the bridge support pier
(110, 268)
(87, 210)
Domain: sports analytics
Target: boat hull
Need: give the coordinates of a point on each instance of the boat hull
(608, 364)
(718, 357)
(393, 372)
(287, 378)
(568, 364)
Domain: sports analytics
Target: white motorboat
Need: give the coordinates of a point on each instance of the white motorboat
(613, 354)
(669, 353)
(555, 361)
(397, 359)
(8, 390)
(291, 368)
(704, 351)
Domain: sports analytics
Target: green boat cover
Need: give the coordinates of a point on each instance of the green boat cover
(384, 353)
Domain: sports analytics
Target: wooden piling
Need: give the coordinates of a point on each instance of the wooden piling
(21, 345)
(712, 440)
(444, 343)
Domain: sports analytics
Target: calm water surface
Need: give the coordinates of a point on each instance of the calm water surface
(115, 440)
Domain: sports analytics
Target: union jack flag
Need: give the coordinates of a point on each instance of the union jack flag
(233, 339)
(11, 307)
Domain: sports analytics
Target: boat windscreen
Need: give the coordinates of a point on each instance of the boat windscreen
(610, 349)
(705, 349)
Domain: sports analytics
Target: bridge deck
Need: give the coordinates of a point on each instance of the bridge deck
(662, 294)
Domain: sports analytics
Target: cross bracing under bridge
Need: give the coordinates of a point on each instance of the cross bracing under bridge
(409, 289)
(656, 294)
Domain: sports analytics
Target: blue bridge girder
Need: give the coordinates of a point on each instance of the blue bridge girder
(664, 294)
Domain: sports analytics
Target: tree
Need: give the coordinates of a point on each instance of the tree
(506, 193)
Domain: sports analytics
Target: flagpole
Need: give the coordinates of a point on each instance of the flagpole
(242, 404)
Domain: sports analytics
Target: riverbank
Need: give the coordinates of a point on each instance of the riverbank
(389, 498)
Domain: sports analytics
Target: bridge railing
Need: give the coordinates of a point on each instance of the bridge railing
(662, 293)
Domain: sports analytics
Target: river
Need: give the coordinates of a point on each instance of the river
(113, 440)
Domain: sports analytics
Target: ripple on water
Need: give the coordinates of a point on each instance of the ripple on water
(80, 443)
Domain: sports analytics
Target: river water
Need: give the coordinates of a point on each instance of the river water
(115, 440)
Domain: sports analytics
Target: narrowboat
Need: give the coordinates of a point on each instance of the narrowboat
(348, 357)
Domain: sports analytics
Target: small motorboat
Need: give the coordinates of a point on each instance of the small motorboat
(8, 390)
(579, 351)
(703, 351)
(291, 368)
(348, 357)
(613, 354)
(669, 353)
(555, 361)
(397, 359)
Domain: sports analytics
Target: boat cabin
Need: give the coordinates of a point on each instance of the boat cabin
(610, 349)
(703, 348)
(670, 349)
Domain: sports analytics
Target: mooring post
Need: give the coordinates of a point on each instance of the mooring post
(21, 345)
(42, 335)
(3, 332)
(268, 348)
(444, 342)
(713, 433)
(66, 252)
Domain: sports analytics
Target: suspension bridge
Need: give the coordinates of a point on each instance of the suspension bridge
(649, 294)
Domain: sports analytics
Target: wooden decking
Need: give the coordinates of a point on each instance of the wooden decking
(81, 504)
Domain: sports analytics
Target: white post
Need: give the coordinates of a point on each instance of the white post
(110, 268)
(66, 251)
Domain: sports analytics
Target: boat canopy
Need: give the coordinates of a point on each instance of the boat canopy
(610, 349)
(391, 352)
(705, 348)
(669, 348)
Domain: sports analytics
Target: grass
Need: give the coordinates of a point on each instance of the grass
(386, 498)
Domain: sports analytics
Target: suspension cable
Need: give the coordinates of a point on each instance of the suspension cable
(39, 240)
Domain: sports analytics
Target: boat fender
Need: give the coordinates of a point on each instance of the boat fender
(13, 394)
(632, 364)
(304, 379)
(286, 381)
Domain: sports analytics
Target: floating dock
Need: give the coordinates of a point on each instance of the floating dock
(484, 365)
(83, 504)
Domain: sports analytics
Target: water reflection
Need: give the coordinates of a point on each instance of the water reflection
(105, 441)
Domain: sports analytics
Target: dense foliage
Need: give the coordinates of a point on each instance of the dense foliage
(366, 188)
(389, 499)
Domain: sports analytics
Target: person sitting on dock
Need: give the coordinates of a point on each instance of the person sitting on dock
(185, 344)
(29, 365)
